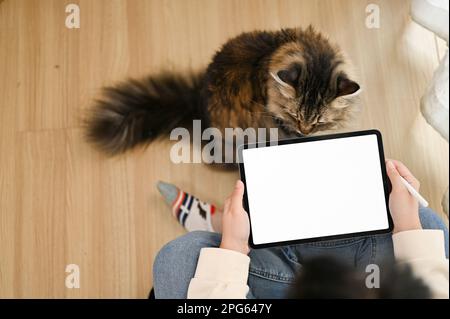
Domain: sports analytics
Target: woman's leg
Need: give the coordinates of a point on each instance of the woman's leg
(358, 252)
(175, 264)
(271, 273)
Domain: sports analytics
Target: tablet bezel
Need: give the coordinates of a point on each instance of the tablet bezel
(386, 186)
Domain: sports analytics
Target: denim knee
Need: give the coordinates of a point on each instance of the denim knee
(176, 262)
(180, 250)
(430, 219)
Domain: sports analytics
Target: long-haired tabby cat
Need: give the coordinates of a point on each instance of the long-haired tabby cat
(293, 79)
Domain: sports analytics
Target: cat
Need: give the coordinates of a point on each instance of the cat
(293, 79)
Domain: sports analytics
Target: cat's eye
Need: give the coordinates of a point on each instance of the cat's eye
(321, 121)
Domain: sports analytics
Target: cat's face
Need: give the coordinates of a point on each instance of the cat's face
(309, 89)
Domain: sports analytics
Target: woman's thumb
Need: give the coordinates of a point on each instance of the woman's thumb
(238, 194)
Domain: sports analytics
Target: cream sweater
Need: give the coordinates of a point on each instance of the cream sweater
(223, 273)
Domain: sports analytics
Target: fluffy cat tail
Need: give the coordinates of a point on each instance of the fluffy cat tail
(136, 112)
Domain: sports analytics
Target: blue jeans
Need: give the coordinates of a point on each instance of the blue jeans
(273, 270)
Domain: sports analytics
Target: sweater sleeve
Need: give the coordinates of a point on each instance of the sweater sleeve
(220, 274)
(424, 250)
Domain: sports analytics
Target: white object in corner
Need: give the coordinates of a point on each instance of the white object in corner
(434, 104)
(433, 15)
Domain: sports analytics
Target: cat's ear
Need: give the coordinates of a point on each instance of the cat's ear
(290, 75)
(346, 86)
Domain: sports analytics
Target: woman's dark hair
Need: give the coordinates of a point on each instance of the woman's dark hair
(328, 278)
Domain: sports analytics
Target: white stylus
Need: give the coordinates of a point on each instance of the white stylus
(415, 193)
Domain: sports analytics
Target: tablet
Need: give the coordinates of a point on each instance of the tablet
(315, 188)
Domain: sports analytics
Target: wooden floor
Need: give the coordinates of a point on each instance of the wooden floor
(62, 203)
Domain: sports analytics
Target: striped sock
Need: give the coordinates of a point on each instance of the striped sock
(190, 212)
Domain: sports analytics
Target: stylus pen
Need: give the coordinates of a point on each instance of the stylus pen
(415, 193)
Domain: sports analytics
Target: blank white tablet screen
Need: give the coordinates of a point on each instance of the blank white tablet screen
(315, 189)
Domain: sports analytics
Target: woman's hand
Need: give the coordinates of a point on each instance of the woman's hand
(235, 223)
(403, 206)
